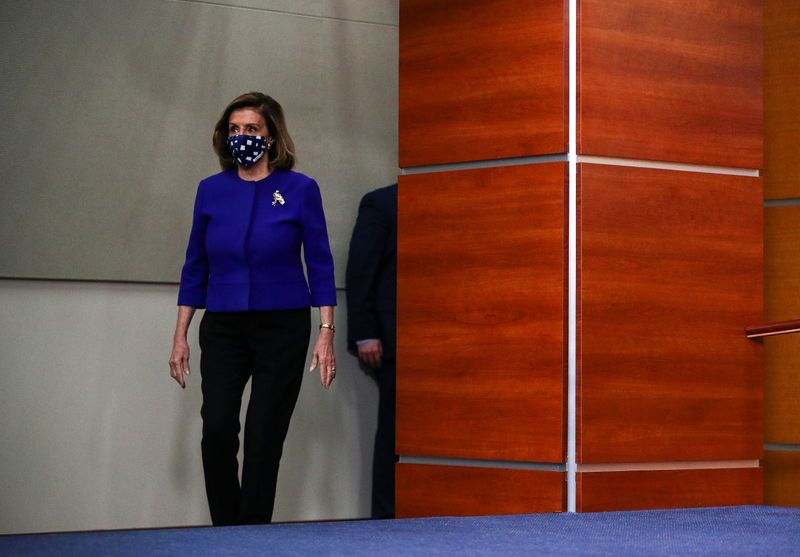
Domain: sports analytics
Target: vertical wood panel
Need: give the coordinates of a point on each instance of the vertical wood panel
(782, 249)
(782, 389)
(425, 490)
(782, 302)
(480, 313)
(668, 489)
(480, 80)
(672, 80)
(670, 267)
(782, 263)
(781, 94)
(782, 478)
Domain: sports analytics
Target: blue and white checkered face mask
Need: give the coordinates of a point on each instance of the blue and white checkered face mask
(247, 149)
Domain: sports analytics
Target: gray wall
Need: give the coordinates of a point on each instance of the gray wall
(94, 433)
(109, 106)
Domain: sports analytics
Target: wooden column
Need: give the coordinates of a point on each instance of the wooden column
(669, 232)
(481, 263)
(782, 250)
(670, 391)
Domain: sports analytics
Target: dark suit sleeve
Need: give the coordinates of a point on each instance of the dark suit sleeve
(367, 246)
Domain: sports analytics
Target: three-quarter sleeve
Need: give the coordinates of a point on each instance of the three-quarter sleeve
(194, 277)
(316, 249)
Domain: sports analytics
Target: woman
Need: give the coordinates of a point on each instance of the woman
(243, 265)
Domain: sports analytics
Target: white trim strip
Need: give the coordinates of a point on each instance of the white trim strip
(476, 463)
(492, 163)
(589, 159)
(572, 265)
(613, 161)
(639, 466)
(781, 447)
(782, 202)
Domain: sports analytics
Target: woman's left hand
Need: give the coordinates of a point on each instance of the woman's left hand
(325, 357)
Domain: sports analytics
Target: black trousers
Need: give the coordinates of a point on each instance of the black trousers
(270, 347)
(384, 457)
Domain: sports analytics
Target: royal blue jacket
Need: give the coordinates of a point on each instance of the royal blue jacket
(244, 248)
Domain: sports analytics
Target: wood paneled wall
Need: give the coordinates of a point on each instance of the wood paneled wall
(481, 80)
(671, 80)
(472, 245)
(782, 250)
(782, 478)
(481, 261)
(782, 390)
(670, 269)
(424, 490)
(782, 302)
(658, 489)
(669, 262)
(781, 91)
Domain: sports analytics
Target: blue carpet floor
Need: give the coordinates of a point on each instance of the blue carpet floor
(727, 531)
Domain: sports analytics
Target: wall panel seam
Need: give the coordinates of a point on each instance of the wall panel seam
(790, 447)
(481, 463)
(664, 165)
(489, 163)
(658, 466)
(588, 159)
(284, 12)
(106, 281)
(788, 202)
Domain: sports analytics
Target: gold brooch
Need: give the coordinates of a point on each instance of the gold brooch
(277, 198)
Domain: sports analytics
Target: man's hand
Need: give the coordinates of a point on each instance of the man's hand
(370, 352)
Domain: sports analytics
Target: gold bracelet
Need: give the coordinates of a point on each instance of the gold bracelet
(327, 326)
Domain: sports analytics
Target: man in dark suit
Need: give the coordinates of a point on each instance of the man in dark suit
(372, 322)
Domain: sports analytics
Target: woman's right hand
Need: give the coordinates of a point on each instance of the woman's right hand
(179, 361)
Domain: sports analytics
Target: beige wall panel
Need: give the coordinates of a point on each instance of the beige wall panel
(110, 117)
(357, 148)
(781, 91)
(781, 263)
(94, 434)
